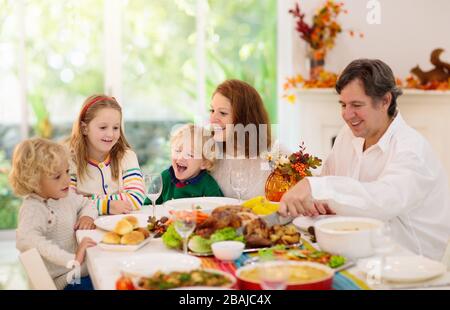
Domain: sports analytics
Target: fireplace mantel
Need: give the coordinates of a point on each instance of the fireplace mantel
(315, 118)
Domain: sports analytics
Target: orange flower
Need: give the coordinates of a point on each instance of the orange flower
(291, 98)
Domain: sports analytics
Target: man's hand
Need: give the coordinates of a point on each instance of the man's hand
(298, 201)
(323, 208)
(84, 222)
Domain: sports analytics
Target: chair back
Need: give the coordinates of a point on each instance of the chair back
(37, 273)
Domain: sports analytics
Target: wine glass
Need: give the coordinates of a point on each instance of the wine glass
(153, 183)
(184, 222)
(273, 275)
(382, 245)
(238, 181)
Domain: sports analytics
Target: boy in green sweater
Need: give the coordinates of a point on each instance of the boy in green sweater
(191, 160)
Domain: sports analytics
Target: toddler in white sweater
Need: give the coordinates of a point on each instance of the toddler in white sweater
(50, 213)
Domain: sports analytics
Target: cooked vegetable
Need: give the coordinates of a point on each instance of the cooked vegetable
(227, 233)
(124, 284)
(336, 261)
(171, 238)
(199, 245)
(160, 281)
(261, 206)
(321, 257)
(200, 216)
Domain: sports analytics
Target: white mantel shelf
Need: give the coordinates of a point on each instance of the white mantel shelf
(315, 118)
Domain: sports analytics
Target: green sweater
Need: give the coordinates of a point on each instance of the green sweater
(203, 185)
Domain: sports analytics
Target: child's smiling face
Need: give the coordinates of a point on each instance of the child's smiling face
(56, 185)
(102, 132)
(186, 163)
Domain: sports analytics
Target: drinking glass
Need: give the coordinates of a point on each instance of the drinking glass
(184, 222)
(239, 182)
(153, 183)
(273, 275)
(382, 244)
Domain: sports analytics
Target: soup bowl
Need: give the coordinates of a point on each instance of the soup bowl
(301, 276)
(347, 236)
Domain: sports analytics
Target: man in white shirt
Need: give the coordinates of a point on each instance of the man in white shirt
(379, 166)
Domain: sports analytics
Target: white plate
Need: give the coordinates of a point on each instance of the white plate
(108, 222)
(405, 269)
(146, 265)
(304, 222)
(207, 204)
(121, 247)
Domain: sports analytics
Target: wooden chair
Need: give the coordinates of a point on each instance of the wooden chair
(37, 273)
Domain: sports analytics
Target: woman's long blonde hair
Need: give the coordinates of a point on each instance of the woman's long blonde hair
(78, 143)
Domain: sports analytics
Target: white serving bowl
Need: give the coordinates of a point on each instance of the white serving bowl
(347, 236)
(227, 250)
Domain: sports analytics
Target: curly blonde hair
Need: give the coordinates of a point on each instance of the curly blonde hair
(199, 137)
(32, 159)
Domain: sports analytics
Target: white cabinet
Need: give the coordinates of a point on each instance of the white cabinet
(315, 118)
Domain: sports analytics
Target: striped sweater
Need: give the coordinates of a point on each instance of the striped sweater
(100, 187)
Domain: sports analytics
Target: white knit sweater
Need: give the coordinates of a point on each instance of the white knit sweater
(47, 225)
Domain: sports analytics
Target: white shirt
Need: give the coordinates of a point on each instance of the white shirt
(399, 180)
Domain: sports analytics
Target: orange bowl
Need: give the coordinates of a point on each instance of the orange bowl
(322, 282)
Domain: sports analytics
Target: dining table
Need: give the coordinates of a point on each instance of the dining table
(104, 266)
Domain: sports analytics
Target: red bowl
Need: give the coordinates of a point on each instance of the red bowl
(323, 283)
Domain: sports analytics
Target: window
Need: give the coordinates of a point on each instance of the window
(64, 55)
(10, 109)
(241, 43)
(164, 59)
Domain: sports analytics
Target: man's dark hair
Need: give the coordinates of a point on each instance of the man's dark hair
(377, 78)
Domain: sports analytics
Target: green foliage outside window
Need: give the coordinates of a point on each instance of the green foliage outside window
(9, 204)
(242, 45)
(65, 63)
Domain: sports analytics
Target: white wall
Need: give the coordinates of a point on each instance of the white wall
(408, 32)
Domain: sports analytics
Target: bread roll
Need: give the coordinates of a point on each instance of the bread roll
(134, 237)
(111, 238)
(133, 221)
(144, 231)
(123, 227)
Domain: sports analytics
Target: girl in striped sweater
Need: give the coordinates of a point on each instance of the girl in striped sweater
(103, 167)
